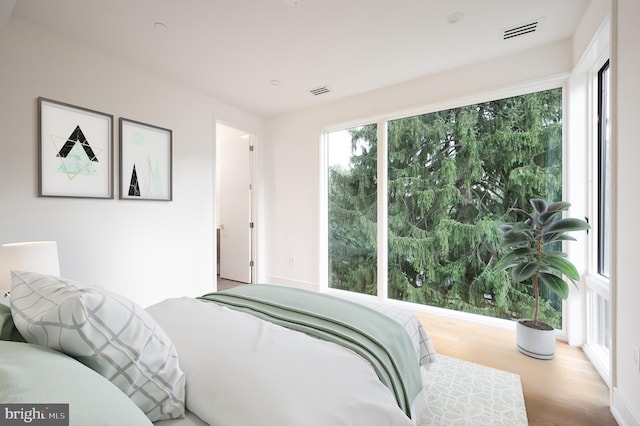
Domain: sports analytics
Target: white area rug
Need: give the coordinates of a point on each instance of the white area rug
(463, 393)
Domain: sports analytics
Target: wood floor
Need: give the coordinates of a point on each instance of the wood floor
(226, 284)
(564, 391)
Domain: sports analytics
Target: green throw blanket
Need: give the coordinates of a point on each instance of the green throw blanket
(382, 341)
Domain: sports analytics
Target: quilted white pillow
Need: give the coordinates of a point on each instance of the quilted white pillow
(108, 333)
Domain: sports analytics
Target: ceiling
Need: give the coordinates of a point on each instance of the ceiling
(265, 56)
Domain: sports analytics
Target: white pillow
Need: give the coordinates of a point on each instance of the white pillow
(108, 333)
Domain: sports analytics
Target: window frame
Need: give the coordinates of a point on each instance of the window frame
(597, 285)
(603, 158)
(558, 81)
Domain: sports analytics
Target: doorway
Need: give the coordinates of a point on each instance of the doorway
(234, 204)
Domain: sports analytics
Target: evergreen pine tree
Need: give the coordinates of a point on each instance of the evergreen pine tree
(453, 175)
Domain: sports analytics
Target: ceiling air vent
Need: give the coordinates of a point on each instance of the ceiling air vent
(522, 29)
(319, 90)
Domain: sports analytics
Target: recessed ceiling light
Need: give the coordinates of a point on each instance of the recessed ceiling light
(161, 26)
(293, 2)
(275, 82)
(455, 17)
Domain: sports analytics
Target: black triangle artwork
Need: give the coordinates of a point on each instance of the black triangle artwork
(77, 137)
(134, 188)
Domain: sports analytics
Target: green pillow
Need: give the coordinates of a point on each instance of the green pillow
(35, 374)
(8, 330)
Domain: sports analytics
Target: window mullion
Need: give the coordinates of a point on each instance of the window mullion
(382, 208)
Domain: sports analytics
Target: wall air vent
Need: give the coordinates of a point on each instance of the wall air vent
(319, 90)
(522, 29)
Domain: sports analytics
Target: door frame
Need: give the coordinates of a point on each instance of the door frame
(255, 213)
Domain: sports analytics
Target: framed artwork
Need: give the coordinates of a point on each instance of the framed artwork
(145, 161)
(75, 151)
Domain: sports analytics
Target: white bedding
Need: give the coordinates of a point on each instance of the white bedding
(421, 342)
(241, 370)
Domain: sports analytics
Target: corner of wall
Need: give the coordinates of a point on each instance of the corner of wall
(622, 410)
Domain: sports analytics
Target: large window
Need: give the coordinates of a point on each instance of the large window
(452, 176)
(352, 188)
(599, 330)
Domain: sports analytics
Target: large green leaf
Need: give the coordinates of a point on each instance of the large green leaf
(539, 205)
(558, 206)
(549, 217)
(520, 227)
(548, 252)
(562, 265)
(554, 283)
(524, 271)
(568, 225)
(515, 239)
(551, 237)
(515, 257)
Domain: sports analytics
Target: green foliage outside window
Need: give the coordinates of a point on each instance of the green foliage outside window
(352, 218)
(453, 175)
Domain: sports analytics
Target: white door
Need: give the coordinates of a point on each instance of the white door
(234, 172)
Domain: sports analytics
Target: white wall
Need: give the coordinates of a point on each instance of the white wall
(625, 70)
(292, 153)
(147, 250)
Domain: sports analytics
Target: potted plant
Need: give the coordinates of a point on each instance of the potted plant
(533, 257)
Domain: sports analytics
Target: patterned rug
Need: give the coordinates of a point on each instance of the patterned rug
(462, 393)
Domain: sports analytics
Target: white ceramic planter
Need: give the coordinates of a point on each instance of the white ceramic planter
(535, 343)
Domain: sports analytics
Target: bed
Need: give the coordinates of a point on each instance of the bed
(253, 355)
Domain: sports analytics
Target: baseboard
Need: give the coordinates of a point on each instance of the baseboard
(600, 367)
(270, 279)
(624, 413)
